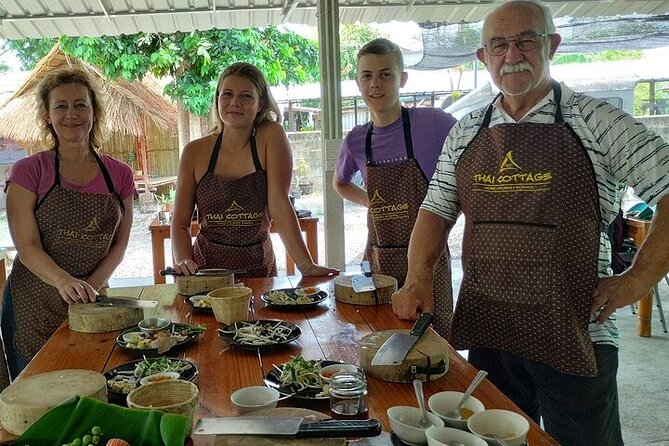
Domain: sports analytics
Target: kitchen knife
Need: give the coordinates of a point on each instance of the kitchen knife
(127, 302)
(287, 426)
(204, 272)
(363, 282)
(396, 347)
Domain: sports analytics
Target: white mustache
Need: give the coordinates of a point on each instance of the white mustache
(515, 68)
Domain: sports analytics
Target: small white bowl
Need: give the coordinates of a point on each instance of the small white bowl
(443, 436)
(248, 399)
(157, 377)
(442, 402)
(307, 291)
(403, 421)
(153, 325)
(508, 425)
(134, 337)
(200, 301)
(329, 370)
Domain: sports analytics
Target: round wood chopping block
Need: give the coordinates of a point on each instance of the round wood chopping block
(91, 318)
(257, 440)
(426, 354)
(26, 400)
(385, 287)
(192, 285)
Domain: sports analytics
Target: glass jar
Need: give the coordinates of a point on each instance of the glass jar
(348, 395)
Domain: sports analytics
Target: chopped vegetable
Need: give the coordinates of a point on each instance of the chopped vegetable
(284, 298)
(117, 442)
(259, 333)
(300, 374)
(152, 366)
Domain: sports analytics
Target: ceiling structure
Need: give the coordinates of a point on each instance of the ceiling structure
(50, 18)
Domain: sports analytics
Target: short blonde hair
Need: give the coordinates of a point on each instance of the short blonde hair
(65, 76)
(383, 47)
(269, 109)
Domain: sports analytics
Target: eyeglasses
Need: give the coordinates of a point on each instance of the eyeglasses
(524, 42)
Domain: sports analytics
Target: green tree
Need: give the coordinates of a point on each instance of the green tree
(193, 61)
(351, 38)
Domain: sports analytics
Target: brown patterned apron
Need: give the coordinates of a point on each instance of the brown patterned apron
(234, 220)
(395, 194)
(531, 240)
(76, 231)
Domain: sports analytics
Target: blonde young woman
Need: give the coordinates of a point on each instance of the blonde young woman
(70, 213)
(239, 178)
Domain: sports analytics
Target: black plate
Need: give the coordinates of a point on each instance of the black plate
(119, 397)
(295, 333)
(315, 300)
(190, 304)
(272, 380)
(175, 327)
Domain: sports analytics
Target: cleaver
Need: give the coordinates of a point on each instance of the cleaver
(396, 347)
(363, 282)
(204, 272)
(287, 426)
(127, 302)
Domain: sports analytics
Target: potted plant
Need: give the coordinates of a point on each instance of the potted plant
(302, 173)
(165, 205)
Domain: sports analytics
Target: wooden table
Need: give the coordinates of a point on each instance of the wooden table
(332, 331)
(161, 231)
(637, 230)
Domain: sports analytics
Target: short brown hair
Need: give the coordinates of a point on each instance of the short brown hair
(269, 109)
(383, 47)
(65, 76)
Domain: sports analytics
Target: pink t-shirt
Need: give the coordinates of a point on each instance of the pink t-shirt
(37, 174)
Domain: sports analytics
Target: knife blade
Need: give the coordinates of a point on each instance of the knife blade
(396, 347)
(364, 282)
(204, 272)
(126, 302)
(287, 426)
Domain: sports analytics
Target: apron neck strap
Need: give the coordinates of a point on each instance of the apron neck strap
(406, 127)
(217, 149)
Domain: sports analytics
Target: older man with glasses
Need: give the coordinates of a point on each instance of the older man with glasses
(537, 175)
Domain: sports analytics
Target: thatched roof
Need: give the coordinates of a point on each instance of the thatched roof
(126, 104)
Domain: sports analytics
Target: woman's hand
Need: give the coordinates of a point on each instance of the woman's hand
(309, 268)
(74, 291)
(186, 267)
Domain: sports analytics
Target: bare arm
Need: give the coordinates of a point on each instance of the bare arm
(25, 233)
(351, 192)
(184, 203)
(108, 264)
(279, 172)
(650, 265)
(428, 239)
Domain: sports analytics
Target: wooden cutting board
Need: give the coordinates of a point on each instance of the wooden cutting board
(91, 318)
(427, 353)
(385, 287)
(192, 285)
(257, 440)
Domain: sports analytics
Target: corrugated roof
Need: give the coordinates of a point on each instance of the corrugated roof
(37, 18)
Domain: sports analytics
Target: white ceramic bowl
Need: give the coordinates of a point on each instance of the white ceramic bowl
(134, 337)
(248, 399)
(442, 436)
(157, 377)
(329, 370)
(200, 301)
(510, 426)
(403, 421)
(152, 325)
(442, 402)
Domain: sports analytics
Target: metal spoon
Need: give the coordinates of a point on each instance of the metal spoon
(500, 441)
(455, 443)
(424, 421)
(478, 379)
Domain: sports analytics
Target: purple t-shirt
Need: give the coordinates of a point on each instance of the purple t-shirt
(37, 173)
(429, 127)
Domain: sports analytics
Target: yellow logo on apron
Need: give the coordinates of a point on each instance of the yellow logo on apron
(235, 215)
(382, 211)
(511, 177)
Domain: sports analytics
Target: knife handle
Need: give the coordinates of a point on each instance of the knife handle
(169, 272)
(340, 429)
(421, 324)
(366, 268)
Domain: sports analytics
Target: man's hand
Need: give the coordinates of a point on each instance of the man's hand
(412, 300)
(616, 292)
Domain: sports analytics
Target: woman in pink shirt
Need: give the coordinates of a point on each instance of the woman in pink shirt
(69, 212)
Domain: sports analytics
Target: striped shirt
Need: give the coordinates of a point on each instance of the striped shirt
(623, 153)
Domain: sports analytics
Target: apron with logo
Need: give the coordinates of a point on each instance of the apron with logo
(76, 231)
(234, 221)
(532, 226)
(395, 194)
